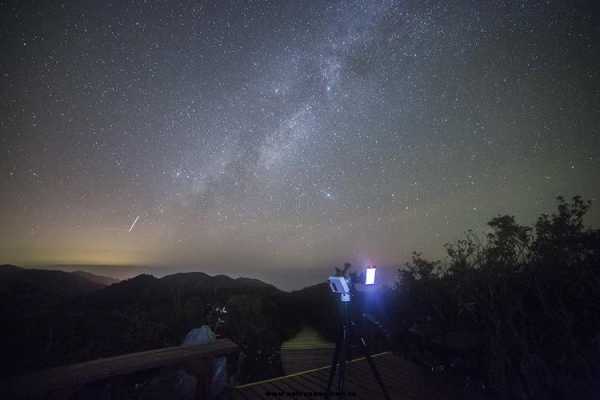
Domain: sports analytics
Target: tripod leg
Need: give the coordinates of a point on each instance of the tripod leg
(347, 348)
(349, 342)
(363, 346)
(342, 373)
(334, 362)
(347, 354)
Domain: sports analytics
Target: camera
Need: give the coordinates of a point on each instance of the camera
(342, 285)
(339, 284)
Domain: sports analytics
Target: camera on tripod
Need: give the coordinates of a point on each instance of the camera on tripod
(342, 285)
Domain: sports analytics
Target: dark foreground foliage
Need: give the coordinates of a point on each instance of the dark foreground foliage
(44, 327)
(519, 311)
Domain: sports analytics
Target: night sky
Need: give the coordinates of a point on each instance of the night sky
(271, 138)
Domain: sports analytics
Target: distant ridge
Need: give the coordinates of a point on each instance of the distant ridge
(8, 267)
(9, 271)
(25, 291)
(100, 279)
(148, 286)
(200, 279)
(49, 281)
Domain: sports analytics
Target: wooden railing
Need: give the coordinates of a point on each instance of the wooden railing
(63, 382)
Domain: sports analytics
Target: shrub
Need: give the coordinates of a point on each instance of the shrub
(530, 294)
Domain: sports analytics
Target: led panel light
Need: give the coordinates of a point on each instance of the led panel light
(370, 276)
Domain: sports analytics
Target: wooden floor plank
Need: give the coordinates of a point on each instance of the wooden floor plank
(351, 385)
(291, 388)
(252, 394)
(294, 385)
(404, 388)
(263, 389)
(310, 385)
(403, 380)
(243, 395)
(260, 392)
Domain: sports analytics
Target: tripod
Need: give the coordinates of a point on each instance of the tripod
(343, 351)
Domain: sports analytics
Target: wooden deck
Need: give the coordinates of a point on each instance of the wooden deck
(403, 379)
(307, 350)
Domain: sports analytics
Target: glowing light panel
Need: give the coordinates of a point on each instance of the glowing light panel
(370, 276)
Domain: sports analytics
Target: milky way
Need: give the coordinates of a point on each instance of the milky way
(268, 138)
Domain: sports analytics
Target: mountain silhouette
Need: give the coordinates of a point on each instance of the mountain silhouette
(56, 317)
(23, 290)
(100, 279)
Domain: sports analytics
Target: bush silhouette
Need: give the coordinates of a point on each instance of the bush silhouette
(525, 300)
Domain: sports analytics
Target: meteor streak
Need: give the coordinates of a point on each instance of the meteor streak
(134, 222)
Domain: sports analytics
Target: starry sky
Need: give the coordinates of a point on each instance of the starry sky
(275, 138)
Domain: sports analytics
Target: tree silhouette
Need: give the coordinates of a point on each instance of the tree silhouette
(528, 299)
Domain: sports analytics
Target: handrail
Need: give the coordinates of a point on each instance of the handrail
(71, 377)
